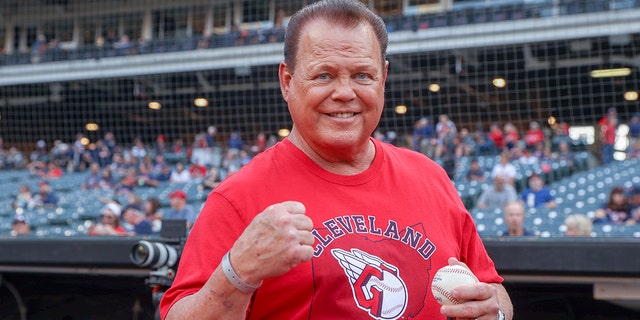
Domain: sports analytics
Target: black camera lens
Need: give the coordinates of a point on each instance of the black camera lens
(154, 254)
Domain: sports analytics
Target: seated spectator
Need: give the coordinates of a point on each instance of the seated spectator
(475, 172)
(153, 214)
(578, 225)
(534, 135)
(24, 197)
(93, 180)
(505, 169)
(180, 209)
(211, 180)
(137, 219)
(20, 225)
(51, 170)
(497, 195)
(514, 214)
(511, 135)
(179, 174)
(617, 209)
(197, 171)
(164, 174)
(145, 179)
(109, 222)
(45, 196)
(537, 194)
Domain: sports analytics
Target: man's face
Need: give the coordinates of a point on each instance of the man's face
(336, 94)
(513, 217)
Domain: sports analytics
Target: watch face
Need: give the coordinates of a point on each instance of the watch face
(500, 315)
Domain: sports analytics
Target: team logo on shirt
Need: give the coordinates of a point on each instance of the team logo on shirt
(376, 285)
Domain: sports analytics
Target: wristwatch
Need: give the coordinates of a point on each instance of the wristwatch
(501, 315)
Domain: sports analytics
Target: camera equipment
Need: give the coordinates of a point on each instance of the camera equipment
(163, 255)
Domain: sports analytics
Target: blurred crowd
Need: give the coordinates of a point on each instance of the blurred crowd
(207, 159)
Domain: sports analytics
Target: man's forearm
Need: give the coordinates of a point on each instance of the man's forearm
(217, 299)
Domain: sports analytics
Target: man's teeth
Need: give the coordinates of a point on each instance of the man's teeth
(342, 115)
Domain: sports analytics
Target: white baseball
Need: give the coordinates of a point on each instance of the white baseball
(448, 278)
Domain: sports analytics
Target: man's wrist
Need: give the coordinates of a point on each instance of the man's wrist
(233, 277)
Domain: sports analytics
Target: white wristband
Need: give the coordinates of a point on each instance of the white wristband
(234, 278)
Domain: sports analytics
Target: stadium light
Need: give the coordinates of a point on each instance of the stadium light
(91, 126)
(155, 105)
(401, 109)
(499, 82)
(201, 102)
(631, 95)
(434, 87)
(283, 132)
(609, 73)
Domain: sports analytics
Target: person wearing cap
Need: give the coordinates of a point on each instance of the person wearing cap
(109, 223)
(537, 194)
(45, 196)
(180, 209)
(20, 225)
(134, 216)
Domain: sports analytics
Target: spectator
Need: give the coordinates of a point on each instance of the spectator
(534, 135)
(153, 214)
(179, 174)
(608, 127)
(24, 197)
(423, 137)
(578, 225)
(537, 194)
(496, 135)
(511, 135)
(565, 154)
(164, 174)
(617, 209)
(45, 196)
(94, 178)
(497, 195)
(475, 172)
(235, 141)
(514, 215)
(137, 219)
(109, 222)
(180, 209)
(634, 130)
(197, 170)
(212, 180)
(505, 169)
(210, 137)
(20, 225)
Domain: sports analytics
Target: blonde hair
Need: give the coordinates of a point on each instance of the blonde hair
(582, 224)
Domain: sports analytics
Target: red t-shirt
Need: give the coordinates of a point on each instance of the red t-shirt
(380, 236)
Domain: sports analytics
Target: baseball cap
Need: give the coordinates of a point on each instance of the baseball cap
(42, 183)
(113, 207)
(20, 218)
(132, 207)
(178, 194)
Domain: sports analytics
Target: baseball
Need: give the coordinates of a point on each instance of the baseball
(448, 278)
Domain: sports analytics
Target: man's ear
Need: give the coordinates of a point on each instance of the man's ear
(285, 75)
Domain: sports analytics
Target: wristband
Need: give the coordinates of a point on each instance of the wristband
(234, 278)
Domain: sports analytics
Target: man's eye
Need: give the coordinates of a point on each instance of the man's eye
(362, 76)
(323, 76)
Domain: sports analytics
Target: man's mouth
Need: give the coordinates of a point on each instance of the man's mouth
(342, 115)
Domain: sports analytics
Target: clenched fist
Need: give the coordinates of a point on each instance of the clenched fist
(278, 239)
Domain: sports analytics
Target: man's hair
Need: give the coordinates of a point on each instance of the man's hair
(346, 13)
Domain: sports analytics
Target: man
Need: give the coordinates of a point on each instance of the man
(505, 168)
(537, 194)
(497, 195)
(179, 208)
(134, 216)
(330, 223)
(514, 214)
(20, 225)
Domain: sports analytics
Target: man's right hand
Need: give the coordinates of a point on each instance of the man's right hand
(277, 240)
